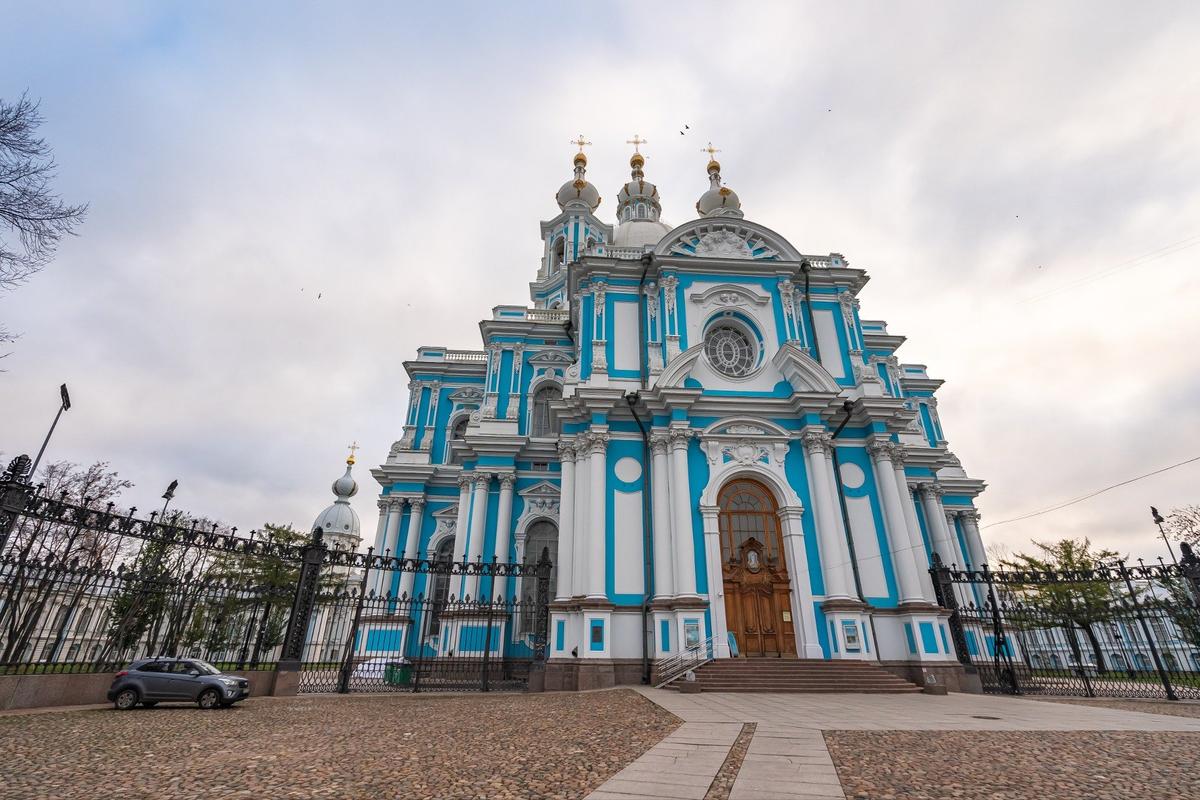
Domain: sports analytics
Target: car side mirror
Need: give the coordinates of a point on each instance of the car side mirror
(195, 673)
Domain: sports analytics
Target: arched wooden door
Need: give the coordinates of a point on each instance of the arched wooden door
(757, 606)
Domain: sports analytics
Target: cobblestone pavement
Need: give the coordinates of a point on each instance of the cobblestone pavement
(1015, 765)
(378, 747)
(1180, 708)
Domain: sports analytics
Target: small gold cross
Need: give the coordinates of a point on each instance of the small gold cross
(581, 142)
(636, 141)
(353, 447)
(710, 150)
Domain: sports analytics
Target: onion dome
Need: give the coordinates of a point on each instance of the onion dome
(718, 201)
(578, 192)
(638, 210)
(339, 522)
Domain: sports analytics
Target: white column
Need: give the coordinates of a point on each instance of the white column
(394, 508)
(899, 540)
(582, 528)
(970, 523)
(716, 580)
(504, 534)
(412, 542)
(482, 481)
(598, 473)
(935, 519)
(380, 532)
(566, 521)
(914, 526)
(460, 524)
(664, 570)
(682, 535)
(804, 615)
(834, 554)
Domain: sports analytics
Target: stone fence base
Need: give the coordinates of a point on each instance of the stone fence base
(77, 689)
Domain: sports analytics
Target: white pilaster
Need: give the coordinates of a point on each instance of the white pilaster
(482, 480)
(566, 521)
(460, 525)
(504, 534)
(395, 507)
(583, 523)
(682, 536)
(834, 554)
(716, 580)
(597, 467)
(380, 533)
(804, 615)
(899, 540)
(935, 518)
(970, 522)
(664, 570)
(412, 543)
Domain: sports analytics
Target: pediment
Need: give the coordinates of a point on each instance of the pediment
(726, 237)
(540, 489)
(744, 426)
(467, 395)
(729, 294)
(548, 358)
(802, 371)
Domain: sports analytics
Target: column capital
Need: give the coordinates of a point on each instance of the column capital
(880, 450)
(566, 450)
(396, 504)
(481, 477)
(679, 437)
(970, 515)
(899, 454)
(507, 479)
(659, 440)
(930, 489)
(593, 442)
(383, 504)
(416, 503)
(464, 480)
(951, 513)
(816, 440)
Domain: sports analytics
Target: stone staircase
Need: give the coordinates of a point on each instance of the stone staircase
(797, 675)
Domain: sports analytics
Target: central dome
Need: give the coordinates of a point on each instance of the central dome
(638, 210)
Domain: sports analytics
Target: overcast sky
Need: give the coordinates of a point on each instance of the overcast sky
(1021, 181)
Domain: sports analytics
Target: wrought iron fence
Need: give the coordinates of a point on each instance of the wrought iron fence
(88, 588)
(371, 635)
(1119, 630)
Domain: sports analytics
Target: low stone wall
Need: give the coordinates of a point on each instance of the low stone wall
(582, 674)
(955, 677)
(77, 689)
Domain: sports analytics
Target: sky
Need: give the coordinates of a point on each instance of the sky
(1021, 181)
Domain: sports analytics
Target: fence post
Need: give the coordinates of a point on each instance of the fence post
(14, 495)
(487, 646)
(943, 592)
(1001, 640)
(1137, 610)
(287, 677)
(352, 639)
(1189, 566)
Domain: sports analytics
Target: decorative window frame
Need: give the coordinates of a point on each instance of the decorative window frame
(737, 319)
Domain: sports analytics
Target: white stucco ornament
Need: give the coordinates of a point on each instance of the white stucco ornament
(723, 244)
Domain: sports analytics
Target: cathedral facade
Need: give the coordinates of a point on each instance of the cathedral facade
(713, 444)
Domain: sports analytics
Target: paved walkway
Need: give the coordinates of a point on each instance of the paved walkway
(788, 759)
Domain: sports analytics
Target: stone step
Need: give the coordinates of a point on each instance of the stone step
(799, 675)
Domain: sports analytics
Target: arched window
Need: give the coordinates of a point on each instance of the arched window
(627, 213)
(539, 420)
(439, 585)
(641, 211)
(748, 511)
(542, 535)
(560, 255)
(457, 443)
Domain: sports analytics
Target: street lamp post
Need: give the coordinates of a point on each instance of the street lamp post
(1158, 520)
(63, 406)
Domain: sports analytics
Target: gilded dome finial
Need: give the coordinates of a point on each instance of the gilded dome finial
(352, 447)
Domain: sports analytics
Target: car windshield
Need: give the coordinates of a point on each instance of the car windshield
(205, 668)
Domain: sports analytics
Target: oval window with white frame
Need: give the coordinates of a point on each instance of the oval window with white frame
(731, 349)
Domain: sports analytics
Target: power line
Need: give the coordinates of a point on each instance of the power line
(1145, 258)
(1089, 496)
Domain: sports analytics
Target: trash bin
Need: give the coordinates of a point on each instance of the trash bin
(397, 673)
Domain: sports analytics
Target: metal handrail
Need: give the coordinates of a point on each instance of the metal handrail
(676, 666)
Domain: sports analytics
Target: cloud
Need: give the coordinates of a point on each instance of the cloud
(238, 161)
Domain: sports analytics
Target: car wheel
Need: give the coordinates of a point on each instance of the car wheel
(149, 703)
(209, 698)
(126, 699)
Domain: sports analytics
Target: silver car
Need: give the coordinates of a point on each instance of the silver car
(149, 681)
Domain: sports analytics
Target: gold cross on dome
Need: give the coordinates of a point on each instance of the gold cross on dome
(353, 447)
(581, 142)
(636, 141)
(710, 150)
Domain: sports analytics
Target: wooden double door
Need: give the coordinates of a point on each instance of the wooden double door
(757, 589)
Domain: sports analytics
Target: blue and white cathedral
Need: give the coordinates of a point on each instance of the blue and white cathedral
(710, 439)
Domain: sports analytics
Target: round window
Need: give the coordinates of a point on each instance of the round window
(731, 351)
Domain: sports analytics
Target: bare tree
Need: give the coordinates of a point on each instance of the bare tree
(1183, 524)
(33, 217)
